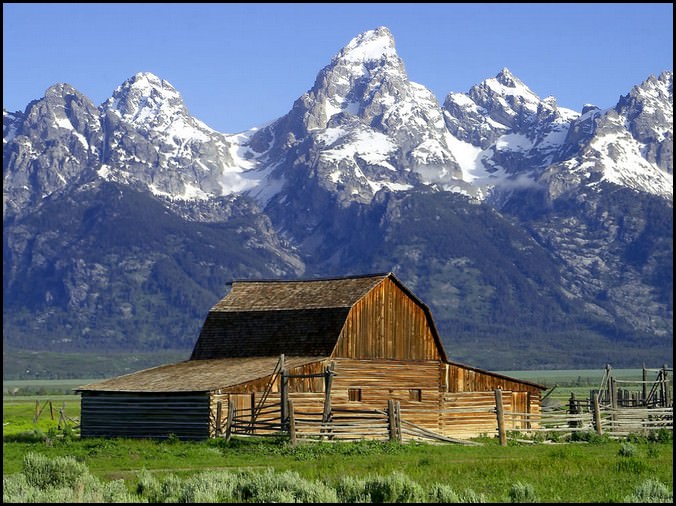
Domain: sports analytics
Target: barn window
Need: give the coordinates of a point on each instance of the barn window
(354, 394)
(415, 394)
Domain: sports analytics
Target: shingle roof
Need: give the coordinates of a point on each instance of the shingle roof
(196, 375)
(263, 318)
(297, 294)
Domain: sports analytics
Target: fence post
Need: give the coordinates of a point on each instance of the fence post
(667, 390)
(391, 416)
(228, 423)
(252, 428)
(219, 413)
(597, 414)
(573, 409)
(284, 394)
(328, 381)
(292, 424)
(645, 387)
(397, 418)
(502, 434)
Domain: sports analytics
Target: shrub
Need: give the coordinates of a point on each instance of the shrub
(268, 486)
(116, 492)
(350, 489)
(661, 436)
(651, 491)
(15, 488)
(522, 492)
(627, 449)
(147, 486)
(441, 493)
(171, 488)
(41, 472)
(590, 436)
(61, 480)
(396, 487)
(470, 495)
(208, 486)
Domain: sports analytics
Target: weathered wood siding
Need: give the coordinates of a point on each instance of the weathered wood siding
(399, 380)
(465, 379)
(470, 414)
(387, 323)
(136, 415)
(446, 398)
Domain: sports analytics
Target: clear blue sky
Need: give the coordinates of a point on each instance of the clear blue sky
(238, 66)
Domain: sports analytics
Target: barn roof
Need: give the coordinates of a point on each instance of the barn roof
(196, 375)
(275, 295)
(271, 317)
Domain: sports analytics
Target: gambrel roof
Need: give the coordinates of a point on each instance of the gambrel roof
(296, 318)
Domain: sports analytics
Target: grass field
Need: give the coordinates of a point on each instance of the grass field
(573, 472)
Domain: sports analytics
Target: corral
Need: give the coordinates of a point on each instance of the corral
(341, 358)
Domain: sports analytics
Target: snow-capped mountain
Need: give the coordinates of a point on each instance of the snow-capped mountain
(503, 210)
(363, 126)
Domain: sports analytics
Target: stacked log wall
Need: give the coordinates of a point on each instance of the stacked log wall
(135, 415)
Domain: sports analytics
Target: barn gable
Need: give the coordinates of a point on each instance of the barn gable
(389, 322)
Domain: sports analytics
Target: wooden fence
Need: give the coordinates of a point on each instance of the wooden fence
(602, 419)
(63, 418)
(305, 422)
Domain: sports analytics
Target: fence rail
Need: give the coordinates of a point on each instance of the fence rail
(341, 423)
(615, 422)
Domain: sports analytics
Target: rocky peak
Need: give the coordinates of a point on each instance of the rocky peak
(365, 126)
(143, 91)
(506, 78)
(153, 142)
(507, 100)
(372, 45)
(51, 145)
(649, 112)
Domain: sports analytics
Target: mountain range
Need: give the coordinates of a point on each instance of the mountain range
(540, 237)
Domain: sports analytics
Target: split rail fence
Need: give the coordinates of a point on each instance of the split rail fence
(310, 416)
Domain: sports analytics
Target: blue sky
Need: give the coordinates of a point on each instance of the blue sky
(238, 66)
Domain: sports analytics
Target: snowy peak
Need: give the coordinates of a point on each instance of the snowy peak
(143, 96)
(507, 98)
(48, 147)
(367, 126)
(649, 109)
(373, 45)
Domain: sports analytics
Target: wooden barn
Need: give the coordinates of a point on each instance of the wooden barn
(339, 356)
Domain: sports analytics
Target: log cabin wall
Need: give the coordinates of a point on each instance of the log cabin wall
(369, 384)
(387, 323)
(143, 415)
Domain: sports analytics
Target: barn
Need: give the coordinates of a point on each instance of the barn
(275, 354)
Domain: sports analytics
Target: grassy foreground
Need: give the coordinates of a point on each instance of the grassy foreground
(270, 470)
